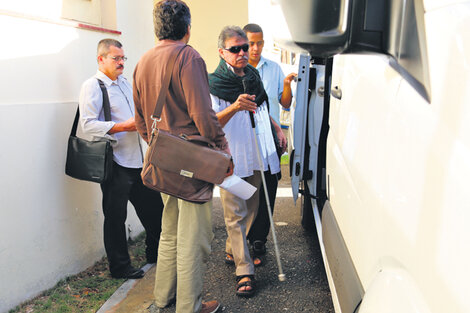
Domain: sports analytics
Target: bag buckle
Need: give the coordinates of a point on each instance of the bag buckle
(155, 120)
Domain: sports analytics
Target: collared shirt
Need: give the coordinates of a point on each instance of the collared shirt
(127, 147)
(241, 140)
(273, 80)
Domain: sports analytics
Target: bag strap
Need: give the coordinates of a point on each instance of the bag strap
(106, 108)
(73, 132)
(156, 116)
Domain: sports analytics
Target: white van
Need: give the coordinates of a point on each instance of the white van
(382, 149)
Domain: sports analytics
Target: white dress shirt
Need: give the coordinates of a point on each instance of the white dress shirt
(241, 140)
(127, 146)
(273, 80)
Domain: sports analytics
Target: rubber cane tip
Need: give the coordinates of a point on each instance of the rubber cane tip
(282, 277)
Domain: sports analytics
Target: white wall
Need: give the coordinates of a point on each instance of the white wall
(206, 25)
(258, 13)
(50, 224)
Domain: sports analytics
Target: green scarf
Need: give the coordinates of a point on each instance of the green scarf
(226, 85)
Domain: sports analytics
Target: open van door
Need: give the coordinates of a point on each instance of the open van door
(299, 124)
(307, 159)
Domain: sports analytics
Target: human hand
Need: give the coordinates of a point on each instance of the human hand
(126, 126)
(282, 140)
(289, 78)
(245, 102)
(129, 125)
(230, 169)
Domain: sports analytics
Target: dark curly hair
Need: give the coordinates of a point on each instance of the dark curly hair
(171, 19)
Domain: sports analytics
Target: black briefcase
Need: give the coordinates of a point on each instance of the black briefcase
(90, 160)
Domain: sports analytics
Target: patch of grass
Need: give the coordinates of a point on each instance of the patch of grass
(85, 292)
(284, 159)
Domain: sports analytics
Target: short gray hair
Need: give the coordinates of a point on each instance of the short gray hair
(229, 32)
(104, 44)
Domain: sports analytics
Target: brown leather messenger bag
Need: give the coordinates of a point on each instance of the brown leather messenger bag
(186, 167)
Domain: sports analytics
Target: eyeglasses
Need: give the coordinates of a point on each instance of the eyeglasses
(117, 59)
(236, 49)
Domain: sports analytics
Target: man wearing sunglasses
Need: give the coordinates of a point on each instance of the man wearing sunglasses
(125, 184)
(237, 91)
(278, 88)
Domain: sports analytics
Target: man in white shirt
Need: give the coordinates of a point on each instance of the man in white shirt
(236, 91)
(125, 184)
(278, 88)
(276, 84)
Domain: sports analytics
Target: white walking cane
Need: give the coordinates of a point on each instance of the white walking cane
(281, 276)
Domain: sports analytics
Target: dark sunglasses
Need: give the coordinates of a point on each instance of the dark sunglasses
(236, 49)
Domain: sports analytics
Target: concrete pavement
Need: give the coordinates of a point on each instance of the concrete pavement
(305, 290)
(134, 295)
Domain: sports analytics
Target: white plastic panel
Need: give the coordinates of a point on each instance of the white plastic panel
(299, 122)
(315, 118)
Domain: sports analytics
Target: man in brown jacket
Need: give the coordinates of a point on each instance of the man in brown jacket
(186, 227)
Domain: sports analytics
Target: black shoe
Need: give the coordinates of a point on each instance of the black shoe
(130, 273)
(259, 248)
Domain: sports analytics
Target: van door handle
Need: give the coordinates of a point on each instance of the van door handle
(336, 92)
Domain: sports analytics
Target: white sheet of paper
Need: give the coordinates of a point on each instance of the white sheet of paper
(238, 187)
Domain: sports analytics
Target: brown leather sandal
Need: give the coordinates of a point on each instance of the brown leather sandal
(248, 283)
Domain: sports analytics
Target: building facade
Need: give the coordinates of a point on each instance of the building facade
(51, 224)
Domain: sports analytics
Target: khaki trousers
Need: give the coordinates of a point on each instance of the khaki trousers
(239, 216)
(185, 244)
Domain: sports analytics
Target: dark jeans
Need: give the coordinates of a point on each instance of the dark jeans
(260, 228)
(126, 185)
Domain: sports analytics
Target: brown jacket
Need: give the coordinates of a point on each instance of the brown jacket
(188, 108)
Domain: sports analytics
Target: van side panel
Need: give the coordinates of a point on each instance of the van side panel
(346, 281)
(398, 168)
(393, 290)
(356, 154)
(430, 212)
